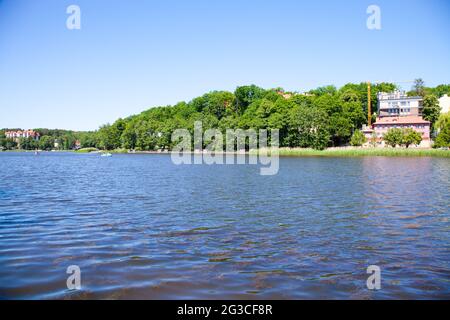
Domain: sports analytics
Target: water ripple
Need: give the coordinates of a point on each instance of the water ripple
(140, 227)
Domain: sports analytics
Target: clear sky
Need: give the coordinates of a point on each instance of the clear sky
(135, 54)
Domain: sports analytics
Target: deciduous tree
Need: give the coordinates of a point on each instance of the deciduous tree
(393, 137)
(358, 138)
(410, 136)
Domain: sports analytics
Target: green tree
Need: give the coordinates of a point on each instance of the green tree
(393, 137)
(325, 90)
(431, 109)
(309, 128)
(340, 128)
(410, 136)
(419, 87)
(68, 141)
(146, 135)
(2, 140)
(245, 95)
(441, 89)
(129, 135)
(328, 102)
(88, 139)
(350, 95)
(442, 122)
(215, 103)
(358, 138)
(443, 128)
(105, 141)
(28, 143)
(355, 113)
(46, 143)
(8, 144)
(110, 135)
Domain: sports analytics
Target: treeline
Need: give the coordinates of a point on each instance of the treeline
(323, 117)
(419, 89)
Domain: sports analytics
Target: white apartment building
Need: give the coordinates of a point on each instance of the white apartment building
(397, 104)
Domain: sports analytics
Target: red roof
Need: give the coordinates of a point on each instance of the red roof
(401, 120)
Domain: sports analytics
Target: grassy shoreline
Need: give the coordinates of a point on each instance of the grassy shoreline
(363, 152)
(345, 152)
(304, 152)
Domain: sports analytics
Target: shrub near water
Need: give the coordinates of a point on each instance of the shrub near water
(410, 137)
(358, 139)
(405, 137)
(393, 137)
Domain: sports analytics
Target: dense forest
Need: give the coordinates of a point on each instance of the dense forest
(318, 119)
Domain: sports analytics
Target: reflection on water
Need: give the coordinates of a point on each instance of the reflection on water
(140, 227)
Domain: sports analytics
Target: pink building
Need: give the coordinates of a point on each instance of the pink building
(414, 122)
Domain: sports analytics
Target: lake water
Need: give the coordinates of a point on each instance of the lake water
(139, 226)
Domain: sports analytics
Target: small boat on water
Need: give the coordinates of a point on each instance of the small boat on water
(106, 155)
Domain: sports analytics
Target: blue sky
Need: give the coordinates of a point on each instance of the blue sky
(132, 55)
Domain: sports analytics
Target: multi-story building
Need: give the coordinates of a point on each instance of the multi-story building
(397, 110)
(15, 135)
(398, 104)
